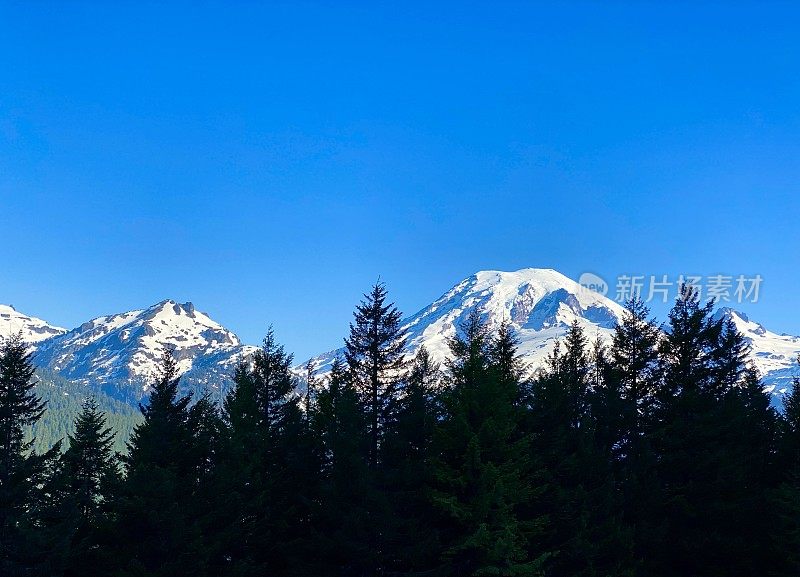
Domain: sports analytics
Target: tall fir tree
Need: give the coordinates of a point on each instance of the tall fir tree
(412, 538)
(88, 478)
(267, 472)
(374, 353)
(345, 522)
(712, 478)
(239, 477)
(283, 527)
(26, 547)
(157, 529)
(585, 534)
(483, 478)
(634, 362)
(630, 383)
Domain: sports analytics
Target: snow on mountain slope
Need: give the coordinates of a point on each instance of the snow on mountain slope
(33, 330)
(539, 303)
(122, 351)
(542, 303)
(774, 355)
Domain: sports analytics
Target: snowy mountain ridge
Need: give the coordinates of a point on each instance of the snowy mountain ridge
(120, 352)
(774, 355)
(33, 330)
(541, 304)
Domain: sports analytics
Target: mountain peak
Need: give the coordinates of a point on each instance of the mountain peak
(540, 304)
(532, 299)
(171, 307)
(128, 346)
(545, 276)
(731, 313)
(33, 330)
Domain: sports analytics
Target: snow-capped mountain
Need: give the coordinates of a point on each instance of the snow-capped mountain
(121, 352)
(33, 330)
(540, 304)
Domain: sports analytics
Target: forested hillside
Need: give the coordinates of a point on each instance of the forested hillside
(655, 455)
(64, 400)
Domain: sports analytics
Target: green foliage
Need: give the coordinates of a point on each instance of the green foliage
(83, 488)
(412, 539)
(64, 401)
(157, 528)
(25, 538)
(656, 456)
(586, 532)
(345, 522)
(267, 470)
(374, 354)
(483, 479)
(713, 440)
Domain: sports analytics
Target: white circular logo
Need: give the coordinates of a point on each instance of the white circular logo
(592, 282)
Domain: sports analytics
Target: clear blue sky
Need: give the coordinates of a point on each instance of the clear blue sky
(269, 162)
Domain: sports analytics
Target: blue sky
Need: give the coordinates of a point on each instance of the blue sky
(268, 162)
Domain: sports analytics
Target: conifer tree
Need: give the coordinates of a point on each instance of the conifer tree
(684, 438)
(634, 358)
(89, 463)
(282, 531)
(790, 429)
(712, 478)
(412, 540)
(239, 477)
(274, 383)
(482, 465)
(157, 527)
(630, 384)
(266, 470)
(345, 525)
(585, 534)
(785, 499)
(24, 543)
(87, 480)
(374, 353)
(311, 388)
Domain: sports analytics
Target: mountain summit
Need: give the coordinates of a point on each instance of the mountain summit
(33, 330)
(122, 351)
(539, 303)
(119, 353)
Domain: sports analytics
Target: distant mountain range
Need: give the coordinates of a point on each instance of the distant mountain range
(118, 354)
